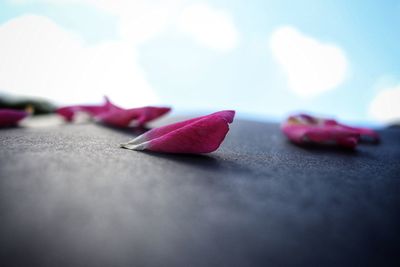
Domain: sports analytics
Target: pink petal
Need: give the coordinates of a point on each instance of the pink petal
(69, 112)
(332, 136)
(11, 117)
(199, 135)
(362, 131)
(305, 129)
(124, 117)
(366, 132)
(110, 114)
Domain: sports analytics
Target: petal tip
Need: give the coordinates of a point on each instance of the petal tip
(227, 115)
(141, 146)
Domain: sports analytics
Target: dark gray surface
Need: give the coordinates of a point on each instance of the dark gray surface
(70, 197)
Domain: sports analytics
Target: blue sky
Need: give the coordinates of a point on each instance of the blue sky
(231, 64)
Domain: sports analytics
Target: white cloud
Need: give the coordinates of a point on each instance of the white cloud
(209, 26)
(138, 20)
(385, 107)
(312, 67)
(39, 58)
(142, 20)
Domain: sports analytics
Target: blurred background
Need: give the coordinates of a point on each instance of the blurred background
(265, 59)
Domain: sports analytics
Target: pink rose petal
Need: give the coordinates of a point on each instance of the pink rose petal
(306, 129)
(69, 112)
(11, 117)
(199, 135)
(364, 132)
(125, 117)
(110, 114)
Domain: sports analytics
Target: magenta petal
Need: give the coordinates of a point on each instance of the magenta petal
(374, 136)
(110, 114)
(199, 135)
(332, 136)
(11, 117)
(296, 133)
(150, 113)
(69, 112)
(305, 129)
(96, 110)
(124, 117)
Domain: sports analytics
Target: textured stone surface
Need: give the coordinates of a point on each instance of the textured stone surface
(69, 196)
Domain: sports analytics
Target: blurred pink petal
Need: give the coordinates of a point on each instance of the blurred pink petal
(306, 129)
(199, 135)
(364, 132)
(125, 117)
(112, 115)
(11, 117)
(69, 112)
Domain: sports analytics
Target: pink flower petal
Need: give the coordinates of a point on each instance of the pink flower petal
(11, 117)
(199, 135)
(69, 112)
(110, 114)
(364, 132)
(305, 129)
(125, 117)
